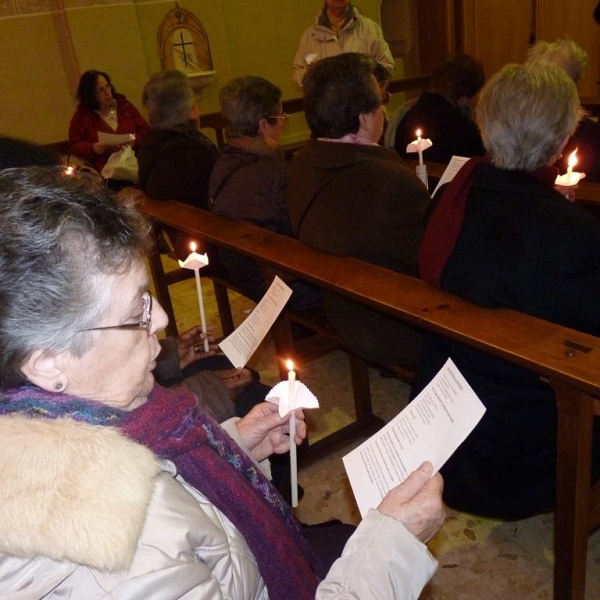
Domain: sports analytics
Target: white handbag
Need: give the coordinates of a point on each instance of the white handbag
(122, 165)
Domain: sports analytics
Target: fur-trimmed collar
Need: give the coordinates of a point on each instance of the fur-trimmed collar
(72, 491)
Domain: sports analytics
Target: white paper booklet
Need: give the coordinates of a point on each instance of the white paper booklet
(430, 428)
(454, 166)
(115, 139)
(243, 342)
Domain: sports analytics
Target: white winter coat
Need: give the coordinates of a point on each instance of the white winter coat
(360, 34)
(87, 514)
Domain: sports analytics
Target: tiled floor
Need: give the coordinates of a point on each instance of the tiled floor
(479, 558)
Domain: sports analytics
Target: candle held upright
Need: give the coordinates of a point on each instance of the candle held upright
(195, 262)
(419, 145)
(293, 454)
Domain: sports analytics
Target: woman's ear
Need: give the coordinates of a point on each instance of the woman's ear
(263, 127)
(42, 368)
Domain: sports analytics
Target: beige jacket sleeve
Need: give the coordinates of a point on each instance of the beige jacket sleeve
(382, 560)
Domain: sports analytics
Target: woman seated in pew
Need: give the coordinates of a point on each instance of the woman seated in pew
(502, 236)
(102, 109)
(250, 180)
(350, 197)
(176, 159)
(586, 139)
(150, 497)
(443, 112)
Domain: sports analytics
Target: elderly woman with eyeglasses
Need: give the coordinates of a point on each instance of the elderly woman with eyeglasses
(115, 487)
(249, 182)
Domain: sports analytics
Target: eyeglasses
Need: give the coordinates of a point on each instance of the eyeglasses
(145, 324)
(285, 117)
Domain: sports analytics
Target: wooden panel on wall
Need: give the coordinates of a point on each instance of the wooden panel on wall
(495, 31)
(573, 20)
(436, 30)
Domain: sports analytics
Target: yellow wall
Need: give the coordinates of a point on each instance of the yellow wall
(44, 53)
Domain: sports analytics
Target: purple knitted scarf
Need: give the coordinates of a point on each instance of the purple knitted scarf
(172, 426)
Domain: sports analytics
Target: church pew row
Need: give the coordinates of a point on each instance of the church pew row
(568, 359)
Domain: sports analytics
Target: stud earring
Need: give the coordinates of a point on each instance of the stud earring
(58, 385)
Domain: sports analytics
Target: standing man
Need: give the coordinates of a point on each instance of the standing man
(340, 27)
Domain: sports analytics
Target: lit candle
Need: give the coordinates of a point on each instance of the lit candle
(195, 262)
(570, 177)
(570, 164)
(293, 458)
(69, 170)
(419, 147)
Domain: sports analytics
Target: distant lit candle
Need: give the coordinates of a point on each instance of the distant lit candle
(293, 458)
(70, 170)
(419, 146)
(195, 262)
(571, 163)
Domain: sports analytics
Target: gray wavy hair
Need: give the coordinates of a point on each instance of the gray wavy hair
(565, 53)
(169, 99)
(525, 112)
(58, 233)
(245, 101)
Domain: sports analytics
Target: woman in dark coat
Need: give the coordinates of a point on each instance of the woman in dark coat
(502, 236)
(176, 159)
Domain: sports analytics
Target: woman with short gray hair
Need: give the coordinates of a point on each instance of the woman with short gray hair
(501, 235)
(525, 131)
(176, 159)
(250, 180)
(586, 140)
(114, 487)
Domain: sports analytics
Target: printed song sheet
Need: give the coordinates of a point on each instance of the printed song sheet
(454, 166)
(243, 342)
(430, 428)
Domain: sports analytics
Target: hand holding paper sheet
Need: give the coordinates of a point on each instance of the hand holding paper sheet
(430, 428)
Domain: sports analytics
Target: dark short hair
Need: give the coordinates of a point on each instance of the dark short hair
(337, 90)
(86, 90)
(58, 234)
(460, 75)
(247, 100)
(21, 153)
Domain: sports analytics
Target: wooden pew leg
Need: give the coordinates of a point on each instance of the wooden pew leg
(572, 516)
(224, 307)
(161, 288)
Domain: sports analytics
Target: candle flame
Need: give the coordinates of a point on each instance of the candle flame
(69, 170)
(418, 133)
(289, 364)
(573, 158)
(193, 246)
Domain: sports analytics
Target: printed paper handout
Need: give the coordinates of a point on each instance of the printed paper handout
(454, 166)
(115, 139)
(243, 342)
(430, 428)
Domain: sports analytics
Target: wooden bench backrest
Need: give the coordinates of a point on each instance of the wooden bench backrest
(549, 349)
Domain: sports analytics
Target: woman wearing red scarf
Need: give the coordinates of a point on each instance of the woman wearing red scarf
(114, 487)
(501, 235)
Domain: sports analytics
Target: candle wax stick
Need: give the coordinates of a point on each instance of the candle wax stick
(420, 150)
(293, 456)
(569, 174)
(201, 305)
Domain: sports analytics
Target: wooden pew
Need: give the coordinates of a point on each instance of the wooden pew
(569, 359)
